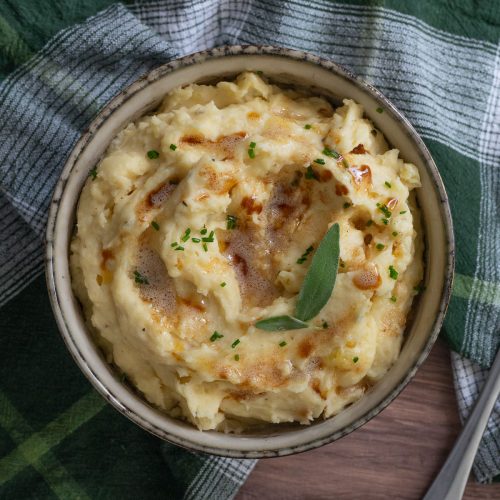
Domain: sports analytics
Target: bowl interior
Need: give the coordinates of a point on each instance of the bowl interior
(321, 77)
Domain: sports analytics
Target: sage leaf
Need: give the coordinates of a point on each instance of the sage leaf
(280, 324)
(320, 279)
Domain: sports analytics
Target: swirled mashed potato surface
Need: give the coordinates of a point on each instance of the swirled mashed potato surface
(199, 221)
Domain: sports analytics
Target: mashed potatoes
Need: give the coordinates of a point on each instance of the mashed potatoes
(202, 219)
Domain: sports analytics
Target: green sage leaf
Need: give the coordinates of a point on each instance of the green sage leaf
(280, 324)
(320, 278)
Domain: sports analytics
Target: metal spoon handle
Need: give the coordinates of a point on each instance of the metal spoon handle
(451, 481)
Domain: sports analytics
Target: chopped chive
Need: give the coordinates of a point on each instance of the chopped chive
(388, 184)
(379, 246)
(179, 248)
(153, 155)
(394, 233)
(307, 126)
(195, 240)
(402, 212)
(355, 359)
(252, 145)
(223, 284)
(385, 210)
(319, 161)
(231, 221)
(203, 230)
(393, 299)
(385, 222)
(173, 147)
(93, 173)
(174, 244)
(155, 225)
(186, 235)
(235, 343)
(205, 247)
(393, 273)
(282, 343)
(331, 152)
(303, 257)
(369, 223)
(325, 324)
(379, 110)
(310, 173)
(139, 278)
(344, 162)
(251, 153)
(347, 204)
(236, 357)
(216, 335)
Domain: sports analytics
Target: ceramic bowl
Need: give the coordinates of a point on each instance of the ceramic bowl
(297, 68)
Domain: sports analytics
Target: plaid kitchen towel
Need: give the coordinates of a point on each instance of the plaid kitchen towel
(438, 61)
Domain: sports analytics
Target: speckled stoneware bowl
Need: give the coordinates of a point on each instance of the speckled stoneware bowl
(321, 76)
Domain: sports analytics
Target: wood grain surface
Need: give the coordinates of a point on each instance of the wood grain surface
(395, 455)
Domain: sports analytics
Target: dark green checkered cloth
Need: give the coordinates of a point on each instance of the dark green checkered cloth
(439, 61)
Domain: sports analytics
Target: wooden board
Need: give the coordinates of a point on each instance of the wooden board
(395, 455)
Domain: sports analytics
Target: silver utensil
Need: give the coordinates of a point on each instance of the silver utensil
(451, 481)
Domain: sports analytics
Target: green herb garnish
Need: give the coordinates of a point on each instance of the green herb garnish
(324, 325)
(319, 161)
(384, 209)
(347, 204)
(369, 223)
(388, 184)
(203, 230)
(153, 155)
(205, 247)
(235, 343)
(393, 299)
(355, 359)
(93, 173)
(173, 147)
(195, 240)
(236, 357)
(310, 173)
(223, 284)
(282, 343)
(185, 237)
(139, 278)
(331, 153)
(317, 286)
(231, 222)
(385, 222)
(174, 244)
(394, 233)
(402, 212)
(303, 257)
(320, 279)
(280, 323)
(155, 225)
(251, 150)
(379, 110)
(379, 246)
(419, 288)
(393, 273)
(307, 126)
(179, 248)
(215, 336)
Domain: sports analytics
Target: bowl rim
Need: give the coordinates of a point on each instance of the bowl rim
(137, 86)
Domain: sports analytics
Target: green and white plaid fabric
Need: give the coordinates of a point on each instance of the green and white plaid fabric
(440, 67)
